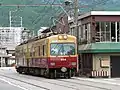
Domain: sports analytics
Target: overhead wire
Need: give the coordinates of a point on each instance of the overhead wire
(39, 14)
(57, 11)
(60, 11)
(82, 6)
(49, 18)
(38, 18)
(45, 14)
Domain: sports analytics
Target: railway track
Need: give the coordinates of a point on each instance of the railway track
(38, 86)
(40, 81)
(98, 87)
(51, 81)
(72, 86)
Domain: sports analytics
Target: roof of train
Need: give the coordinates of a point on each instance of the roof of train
(43, 37)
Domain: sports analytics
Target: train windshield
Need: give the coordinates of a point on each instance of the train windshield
(60, 49)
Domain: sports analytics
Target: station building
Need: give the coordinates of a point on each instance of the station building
(99, 43)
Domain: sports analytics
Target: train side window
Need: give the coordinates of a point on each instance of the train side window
(38, 50)
(44, 51)
(34, 53)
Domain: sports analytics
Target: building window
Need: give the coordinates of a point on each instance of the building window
(86, 32)
(72, 31)
(112, 31)
(79, 32)
(118, 31)
(107, 31)
(81, 29)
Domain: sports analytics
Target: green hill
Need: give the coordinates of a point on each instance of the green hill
(36, 17)
(33, 17)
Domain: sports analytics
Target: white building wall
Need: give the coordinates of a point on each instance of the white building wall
(10, 37)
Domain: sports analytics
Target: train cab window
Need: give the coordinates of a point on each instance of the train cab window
(62, 49)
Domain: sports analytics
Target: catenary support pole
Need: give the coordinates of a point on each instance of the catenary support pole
(76, 25)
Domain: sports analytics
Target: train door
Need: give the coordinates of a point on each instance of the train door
(115, 66)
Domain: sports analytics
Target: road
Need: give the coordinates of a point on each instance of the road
(27, 82)
(8, 86)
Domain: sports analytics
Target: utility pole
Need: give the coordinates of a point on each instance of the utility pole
(76, 27)
(15, 21)
(76, 21)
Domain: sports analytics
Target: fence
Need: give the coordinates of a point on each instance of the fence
(101, 73)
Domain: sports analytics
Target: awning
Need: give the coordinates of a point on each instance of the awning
(104, 47)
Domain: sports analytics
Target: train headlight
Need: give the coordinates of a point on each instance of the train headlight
(65, 37)
(63, 69)
(73, 63)
(52, 63)
(60, 37)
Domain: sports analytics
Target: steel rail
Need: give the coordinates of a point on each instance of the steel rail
(53, 83)
(85, 84)
(25, 82)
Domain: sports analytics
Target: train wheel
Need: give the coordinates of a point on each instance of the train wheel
(51, 75)
(69, 74)
(55, 74)
(36, 71)
(27, 71)
(46, 74)
(20, 70)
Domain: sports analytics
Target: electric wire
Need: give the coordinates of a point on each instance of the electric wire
(43, 15)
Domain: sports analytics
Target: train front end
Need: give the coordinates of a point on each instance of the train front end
(63, 60)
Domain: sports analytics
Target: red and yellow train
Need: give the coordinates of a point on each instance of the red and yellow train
(51, 56)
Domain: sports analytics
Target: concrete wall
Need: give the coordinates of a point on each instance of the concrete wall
(101, 62)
